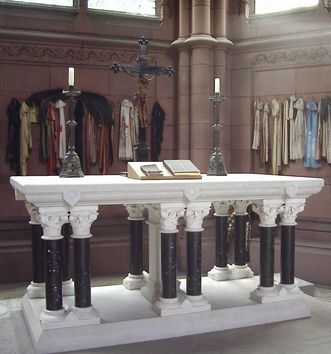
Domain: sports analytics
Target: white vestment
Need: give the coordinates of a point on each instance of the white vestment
(258, 105)
(62, 139)
(129, 125)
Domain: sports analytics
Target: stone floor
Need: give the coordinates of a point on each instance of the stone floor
(304, 336)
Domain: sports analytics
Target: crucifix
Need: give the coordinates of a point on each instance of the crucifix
(144, 74)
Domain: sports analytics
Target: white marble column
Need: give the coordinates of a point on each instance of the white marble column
(36, 289)
(136, 278)
(152, 289)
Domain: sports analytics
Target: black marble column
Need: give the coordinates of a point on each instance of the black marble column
(221, 238)
(53, 275)
(287, 254)
(136, 247)
(38, 254)
(193, 257)
(82, 272)
(266, 256)
(240, 254)
(66, 232)
(168, 265)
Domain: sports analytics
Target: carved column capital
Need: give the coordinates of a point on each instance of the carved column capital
(153, 213)
(267, 211)
(34, 214)
(290, 210)
(136, 211)
(169, 215)
(240, 206)
(195, 213)
(52, 219)
(81, 219)
(222, 207)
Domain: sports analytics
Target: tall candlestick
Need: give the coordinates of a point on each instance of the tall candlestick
(217, 85)
(71, 77)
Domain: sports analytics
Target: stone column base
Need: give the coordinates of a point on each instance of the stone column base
(230, 272)
(276, 293)
(241, 272)
(220, 273)
(134, 282)
(36, 290)
(180, 305)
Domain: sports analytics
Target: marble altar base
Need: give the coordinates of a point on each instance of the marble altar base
(127, 317)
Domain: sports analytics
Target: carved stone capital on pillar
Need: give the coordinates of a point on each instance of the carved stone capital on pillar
(52, 219)
(222, 207)
(34, 213)
(169, 215)
(195, 213)
(289, 211)
(267, 211)
(136, 211)
(81, 219)
(154, 213)
(240, 206)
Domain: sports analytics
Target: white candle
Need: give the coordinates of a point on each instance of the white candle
(71, 77)
(217, 85)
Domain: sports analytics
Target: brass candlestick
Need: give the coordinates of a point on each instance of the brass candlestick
(71, 166)
(216, 161)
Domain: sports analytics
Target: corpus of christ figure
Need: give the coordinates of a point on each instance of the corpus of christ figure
(143, 74)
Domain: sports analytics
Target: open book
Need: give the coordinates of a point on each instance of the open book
(169, 169)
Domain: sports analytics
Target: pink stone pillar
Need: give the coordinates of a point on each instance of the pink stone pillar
(201, 43)
(220, 70)
(183, 81)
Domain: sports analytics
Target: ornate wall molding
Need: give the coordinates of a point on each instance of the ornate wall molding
(292, 57)
(59, 54)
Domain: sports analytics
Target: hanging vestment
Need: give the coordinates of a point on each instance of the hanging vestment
(311, 136)
(299, 130)
(59, 104)
(264, 142)
(325, 127)
(13, 140)
(291, 117)
(157, 124)
(276, 155)
(129, 122)
(258, 105)
(328, 136)
(319, 133)
(26, 137)
(285, 132)
(53, 134)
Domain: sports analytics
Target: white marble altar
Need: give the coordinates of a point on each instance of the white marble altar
(59, 200)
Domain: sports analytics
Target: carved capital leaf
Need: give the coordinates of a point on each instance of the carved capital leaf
(267, 212)
(194, 216)
(136, 211)
(290, 210)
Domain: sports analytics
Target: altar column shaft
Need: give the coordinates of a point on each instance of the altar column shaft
(220, 271)
(267, 211)
(240, 268)
(37, 287)
(52, 219)
(81, 219)
(136, 278)
(288, 214)
(169, 215)
(194, 216)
